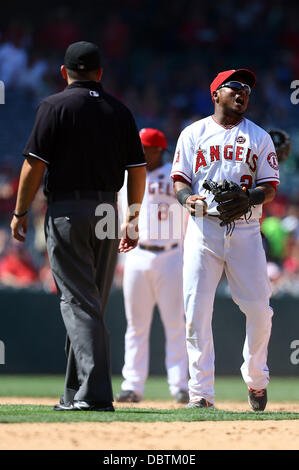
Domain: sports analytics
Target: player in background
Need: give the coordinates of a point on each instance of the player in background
(282, 144)
(226, 146)
(153, 276)
(277, 235)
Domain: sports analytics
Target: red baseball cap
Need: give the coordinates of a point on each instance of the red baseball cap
(223, 76)
(153, 138)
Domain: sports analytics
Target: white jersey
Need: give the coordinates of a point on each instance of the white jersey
(244, 154)
(162, 219)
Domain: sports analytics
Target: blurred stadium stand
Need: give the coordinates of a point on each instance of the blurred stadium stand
(159, 58)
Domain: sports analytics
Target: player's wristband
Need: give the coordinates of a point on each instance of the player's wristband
(256, 196)
(20, 215)
(183, 194)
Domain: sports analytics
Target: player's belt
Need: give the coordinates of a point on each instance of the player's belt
(157, 248)
(102, 196)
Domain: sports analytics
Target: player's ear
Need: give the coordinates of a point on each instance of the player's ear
(215, 96)
(63, 72)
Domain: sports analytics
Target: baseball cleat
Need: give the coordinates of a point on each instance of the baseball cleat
(62, 406)
(257, 399)
(202, 403)
(79, 405)
(182, 396)
(127, 396)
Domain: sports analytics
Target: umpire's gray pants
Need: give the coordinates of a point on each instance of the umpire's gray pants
(82, 267)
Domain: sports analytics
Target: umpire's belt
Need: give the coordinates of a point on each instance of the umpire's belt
(157, 248)
(77, 195)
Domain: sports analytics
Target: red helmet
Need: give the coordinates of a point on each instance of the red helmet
(153, 138)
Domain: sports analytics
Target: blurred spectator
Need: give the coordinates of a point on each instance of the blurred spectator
(247, 14)
(60, 30)
(162, 59)
(16, 267)
(8, 192)
(32, 77)
(276, 237)
(18, 31)
(115, 37)
(278, 207)
(13, 59)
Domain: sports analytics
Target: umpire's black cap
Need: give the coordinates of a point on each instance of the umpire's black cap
(83, 56)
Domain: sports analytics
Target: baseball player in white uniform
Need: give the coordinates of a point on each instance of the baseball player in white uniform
(226, 146)
(153, 275)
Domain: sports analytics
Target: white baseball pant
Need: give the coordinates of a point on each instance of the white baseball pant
(154, 278)
(207, 252)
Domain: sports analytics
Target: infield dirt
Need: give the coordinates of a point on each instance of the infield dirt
(238, 435)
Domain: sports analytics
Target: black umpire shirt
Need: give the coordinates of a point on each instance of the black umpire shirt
(86, 137)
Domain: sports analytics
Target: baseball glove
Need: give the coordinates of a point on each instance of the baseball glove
(233, 202)
(282, 143)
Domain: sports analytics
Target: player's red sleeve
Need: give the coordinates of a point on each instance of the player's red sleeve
(180, 178)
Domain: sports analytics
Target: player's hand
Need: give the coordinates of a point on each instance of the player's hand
(196, 205)
(129, 237)
(19, 224)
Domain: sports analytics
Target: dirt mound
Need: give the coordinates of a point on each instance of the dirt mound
(268, 435)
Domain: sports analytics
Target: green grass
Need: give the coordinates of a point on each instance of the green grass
(31, 385)
(227, 388)
(37, 414)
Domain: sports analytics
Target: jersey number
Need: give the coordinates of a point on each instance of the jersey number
(246, 181)
(163, 211)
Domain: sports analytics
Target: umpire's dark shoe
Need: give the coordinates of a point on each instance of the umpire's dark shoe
(257, 399)
(61, 406)
(79, 405)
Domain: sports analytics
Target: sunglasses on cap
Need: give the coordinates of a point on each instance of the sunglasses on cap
(236, 86)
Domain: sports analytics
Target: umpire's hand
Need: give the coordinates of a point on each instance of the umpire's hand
(17, 224)
(129, 236)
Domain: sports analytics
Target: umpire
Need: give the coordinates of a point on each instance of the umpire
(85, 139)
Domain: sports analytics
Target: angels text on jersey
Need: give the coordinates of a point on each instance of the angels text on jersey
(243, 153)
(205, 147)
